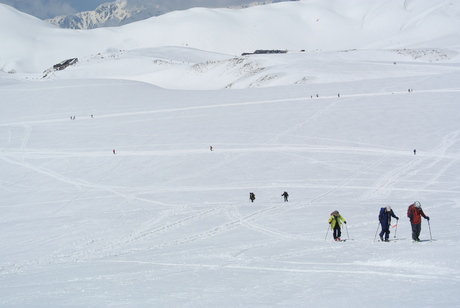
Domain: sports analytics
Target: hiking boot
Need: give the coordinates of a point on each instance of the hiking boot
(381, 238)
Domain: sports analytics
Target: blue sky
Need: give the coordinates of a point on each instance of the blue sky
(50, 8)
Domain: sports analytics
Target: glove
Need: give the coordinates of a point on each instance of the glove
(397, 218)
(345, 222)
(427, 218)
(330, 222)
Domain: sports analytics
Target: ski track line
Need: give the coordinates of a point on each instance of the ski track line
(385, 183)
(123, 114)
(341, 185)
(80, 184)
(383, 187)
(335, 270)
(236, 215)
(214, 231)
(37, 154)
(108, 248)
(297, 126)
(447, 142)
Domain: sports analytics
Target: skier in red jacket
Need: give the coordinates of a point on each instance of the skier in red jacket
(415, 212)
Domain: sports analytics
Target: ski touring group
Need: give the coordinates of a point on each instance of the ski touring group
(414, 213)
(336, 220)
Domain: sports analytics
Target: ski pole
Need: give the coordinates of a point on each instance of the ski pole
(396, 230)
(429, 227)
(378, 225)
(326, 233)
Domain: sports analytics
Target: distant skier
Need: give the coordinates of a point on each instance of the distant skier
(385, 220)
(210, 148)
(113, 152)
(415, 212)
(335, 220)
(252, 197)
(338, 95)
(415, 152)
(285, 195)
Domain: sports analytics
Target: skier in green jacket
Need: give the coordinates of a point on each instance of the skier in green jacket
(335, 220)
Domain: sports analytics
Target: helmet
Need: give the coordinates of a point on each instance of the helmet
(417, 204)
(388, 208)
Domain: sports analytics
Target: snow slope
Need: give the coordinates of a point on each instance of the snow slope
(304, 25)
(122, 12)
(165, 222)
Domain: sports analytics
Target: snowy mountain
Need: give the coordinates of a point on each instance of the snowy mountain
(109, 15)
(123, 12)
(125, 173)
(293, 26)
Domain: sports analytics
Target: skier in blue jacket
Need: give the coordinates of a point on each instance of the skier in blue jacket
(385, 220)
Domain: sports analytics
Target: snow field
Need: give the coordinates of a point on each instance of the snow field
(166, 221)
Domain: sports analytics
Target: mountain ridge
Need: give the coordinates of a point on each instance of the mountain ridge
(122, 12)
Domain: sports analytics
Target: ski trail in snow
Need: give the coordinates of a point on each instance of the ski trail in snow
(328, 268)
(274, 101)
(80, 184)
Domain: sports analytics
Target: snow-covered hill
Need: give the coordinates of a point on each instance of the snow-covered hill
(111, 195)
(122, 12)
(293, 26)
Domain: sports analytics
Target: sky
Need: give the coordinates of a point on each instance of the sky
(44, 9)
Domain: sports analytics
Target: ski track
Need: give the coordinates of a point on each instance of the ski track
(286, 100)
(103, 249)
(329, 268)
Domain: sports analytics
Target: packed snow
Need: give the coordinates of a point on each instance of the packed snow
(112, 195)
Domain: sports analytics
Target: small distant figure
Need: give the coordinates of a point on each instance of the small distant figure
(252, 197)
(285, 195)
(73, 118)
(415, 151)
(210, 147)
(338, 95)
(317, 95)
(385, 221)
(311, 96)
(113, 152)
(335, 220)
(408, 90)
(415, 214)
(91, 116)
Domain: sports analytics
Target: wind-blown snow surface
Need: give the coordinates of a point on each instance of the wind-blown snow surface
(165, 222)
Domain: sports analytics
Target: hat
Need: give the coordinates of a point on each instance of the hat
(417, 204)
(388, 208)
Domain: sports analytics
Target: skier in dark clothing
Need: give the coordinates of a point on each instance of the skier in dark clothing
(385, 220)
(415, 214)
(252, 197)
(285, 195)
